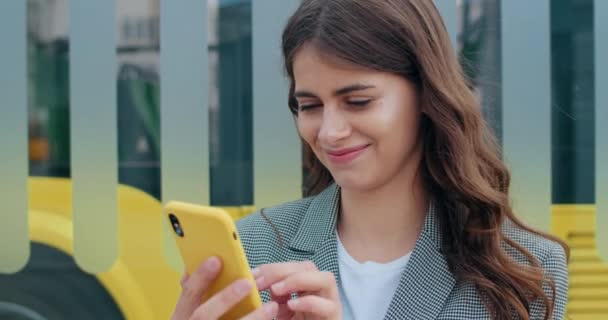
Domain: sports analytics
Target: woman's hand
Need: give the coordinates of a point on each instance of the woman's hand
(189, 305)
(317, 291)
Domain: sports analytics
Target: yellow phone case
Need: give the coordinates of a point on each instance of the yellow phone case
(209, 231)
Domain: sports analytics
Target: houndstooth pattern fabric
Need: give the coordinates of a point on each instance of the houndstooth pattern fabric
(427, 289)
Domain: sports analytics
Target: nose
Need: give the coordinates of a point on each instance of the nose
(334, 126)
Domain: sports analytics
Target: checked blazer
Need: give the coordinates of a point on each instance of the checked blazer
(427, 289)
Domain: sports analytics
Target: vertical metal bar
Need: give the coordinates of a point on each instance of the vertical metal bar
(13, 137)
(526, 95)
(94, 162)
(93, 133)
(449, 13)
(184, 106)
(277, 148)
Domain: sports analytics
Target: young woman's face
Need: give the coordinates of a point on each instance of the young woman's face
(361, 124)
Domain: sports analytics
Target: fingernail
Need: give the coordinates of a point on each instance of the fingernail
(270, 308)
(212, 264)
(255, 272)
(259, 282)
(278, 286)
(242, 287)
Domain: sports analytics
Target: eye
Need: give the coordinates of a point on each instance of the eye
(359, 102)
(309, 106)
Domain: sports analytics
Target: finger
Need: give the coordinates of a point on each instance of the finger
(284, 312)
(194, 287)
(224, 300)
(314, 305)
(280, 299)
(310, 281)
(269, 274)
(184, 278)
(267, 311)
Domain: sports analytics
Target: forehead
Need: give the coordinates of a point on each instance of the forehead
(313, 69)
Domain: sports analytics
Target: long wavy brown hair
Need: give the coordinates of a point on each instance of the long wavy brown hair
(461, 165)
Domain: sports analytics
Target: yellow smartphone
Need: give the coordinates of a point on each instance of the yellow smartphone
(202, 232)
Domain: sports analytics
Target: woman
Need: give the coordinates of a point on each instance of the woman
(407, 214)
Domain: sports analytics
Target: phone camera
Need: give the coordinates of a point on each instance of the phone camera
(175, 225)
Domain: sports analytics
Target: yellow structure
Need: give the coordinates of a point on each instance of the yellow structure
(141, 282)
(588, 292)
(145, 287)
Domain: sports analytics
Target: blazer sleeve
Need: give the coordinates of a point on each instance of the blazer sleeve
(556, 270)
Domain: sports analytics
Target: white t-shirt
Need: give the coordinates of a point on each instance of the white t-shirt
(366, 289)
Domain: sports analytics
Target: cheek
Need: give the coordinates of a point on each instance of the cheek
(395, 130)
(396, 121)
(307, 129)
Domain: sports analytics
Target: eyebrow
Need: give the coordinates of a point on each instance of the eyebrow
(338, 92)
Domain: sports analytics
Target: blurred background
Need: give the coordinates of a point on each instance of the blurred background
(532, 65)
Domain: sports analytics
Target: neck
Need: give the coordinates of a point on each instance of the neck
(383, 224)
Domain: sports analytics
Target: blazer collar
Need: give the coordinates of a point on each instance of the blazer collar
(319, 222)
(426, 281)
(317, 232)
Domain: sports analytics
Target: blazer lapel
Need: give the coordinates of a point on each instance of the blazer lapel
(317, 233)
(326, 257)
(426, 281)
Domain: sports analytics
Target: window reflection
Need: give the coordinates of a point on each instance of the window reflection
(573, 103)
(48, 88)
(230, 101)
(230, 92)
(480, 56)
(138, 94)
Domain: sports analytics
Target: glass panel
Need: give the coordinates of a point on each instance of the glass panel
(184, 101)
(13, 137)
(277, 155)
(449, 13)
(93, 134)
(526, 109)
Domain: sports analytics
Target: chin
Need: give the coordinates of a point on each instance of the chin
(354, 182)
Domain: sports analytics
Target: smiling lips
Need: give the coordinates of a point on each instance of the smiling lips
(346, 155)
